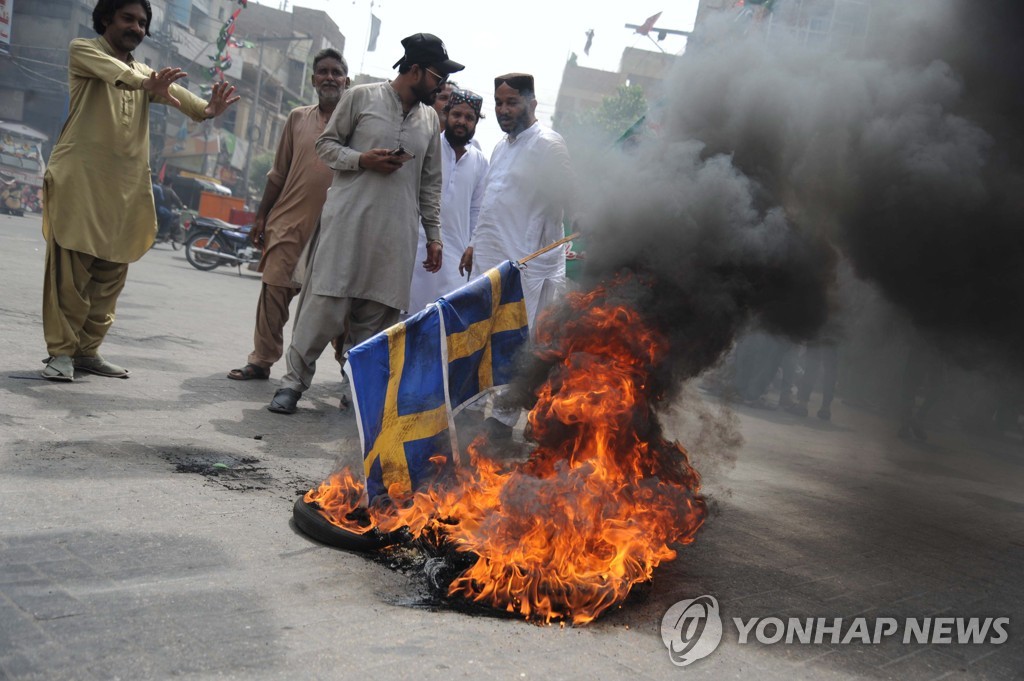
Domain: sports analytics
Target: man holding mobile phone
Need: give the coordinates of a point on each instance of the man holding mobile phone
(402, 155)
(383, 144)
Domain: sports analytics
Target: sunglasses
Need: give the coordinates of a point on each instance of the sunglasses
(440, 78)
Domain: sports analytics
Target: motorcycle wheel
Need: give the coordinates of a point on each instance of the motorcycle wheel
(203, 261)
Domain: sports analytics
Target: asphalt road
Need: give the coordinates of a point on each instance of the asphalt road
(126, 553)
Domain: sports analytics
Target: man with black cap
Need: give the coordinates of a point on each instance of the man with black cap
(383, 143)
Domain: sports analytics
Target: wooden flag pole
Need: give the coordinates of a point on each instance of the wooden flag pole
(548, 248)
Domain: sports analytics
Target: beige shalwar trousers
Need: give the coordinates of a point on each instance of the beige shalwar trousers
(271, 316)
(318, 320)
(80, 293)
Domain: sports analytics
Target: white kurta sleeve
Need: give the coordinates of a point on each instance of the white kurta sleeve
(478, 196)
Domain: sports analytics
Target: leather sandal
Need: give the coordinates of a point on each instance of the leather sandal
(249, 372)
(59, 368)
(285, 401)
(99, 366)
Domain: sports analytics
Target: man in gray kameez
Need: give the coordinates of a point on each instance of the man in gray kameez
(360, 267)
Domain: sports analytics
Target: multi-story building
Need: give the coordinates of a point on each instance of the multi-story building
(584, 88)
(838, 25)
(275, 62)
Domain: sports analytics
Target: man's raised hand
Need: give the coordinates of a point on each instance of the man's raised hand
(160, 81)
(222, 96)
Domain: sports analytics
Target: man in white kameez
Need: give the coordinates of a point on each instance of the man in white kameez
(384, 146)
(463, 171)
(529, 192)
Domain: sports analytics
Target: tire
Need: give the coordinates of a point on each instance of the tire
(315, 526)
(202, 261)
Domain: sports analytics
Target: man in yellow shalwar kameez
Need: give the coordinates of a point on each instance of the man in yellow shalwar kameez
(98, 212)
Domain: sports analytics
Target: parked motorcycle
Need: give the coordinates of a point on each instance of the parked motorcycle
(212, 242)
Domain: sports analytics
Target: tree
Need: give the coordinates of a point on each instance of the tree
(604, 124)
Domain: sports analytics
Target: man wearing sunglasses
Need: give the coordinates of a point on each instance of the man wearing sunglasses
(383, 144)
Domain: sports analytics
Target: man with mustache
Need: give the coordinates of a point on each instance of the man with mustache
(289, 211)
(98, 210)
(384, 146)
(441, 104)
(463, 170)
(529, 191)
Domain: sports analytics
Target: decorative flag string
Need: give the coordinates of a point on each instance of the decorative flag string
(222, 59)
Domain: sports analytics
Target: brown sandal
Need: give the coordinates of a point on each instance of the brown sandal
(249, 372)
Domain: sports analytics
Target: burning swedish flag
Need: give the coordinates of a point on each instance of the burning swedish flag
(408, 380)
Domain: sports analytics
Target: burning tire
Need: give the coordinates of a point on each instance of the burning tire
(314, 525)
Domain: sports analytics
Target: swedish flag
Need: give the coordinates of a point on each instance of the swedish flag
(409, 380)
(485, 325)
(398, 391)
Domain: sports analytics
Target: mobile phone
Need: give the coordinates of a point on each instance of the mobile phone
(402, 155)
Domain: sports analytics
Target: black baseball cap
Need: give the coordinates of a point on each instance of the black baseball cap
(426, 49)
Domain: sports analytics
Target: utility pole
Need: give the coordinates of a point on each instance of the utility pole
(250, 126)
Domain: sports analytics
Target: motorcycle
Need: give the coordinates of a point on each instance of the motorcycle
(212, 242)
(175, 233)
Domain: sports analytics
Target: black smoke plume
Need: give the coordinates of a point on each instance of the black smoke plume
(901, 151)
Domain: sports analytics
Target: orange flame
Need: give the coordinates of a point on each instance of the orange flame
(595, 508)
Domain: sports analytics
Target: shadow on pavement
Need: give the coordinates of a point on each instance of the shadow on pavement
(91, 604)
